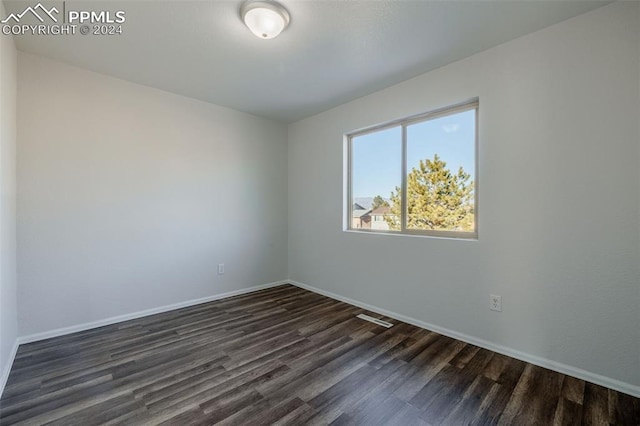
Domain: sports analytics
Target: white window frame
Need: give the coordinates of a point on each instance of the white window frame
(473, 104)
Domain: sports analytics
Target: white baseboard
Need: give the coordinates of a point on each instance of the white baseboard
(569, 370)
(6, 369)
(614, 384)
(113, 320)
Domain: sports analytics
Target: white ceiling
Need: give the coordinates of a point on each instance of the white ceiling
(333, 51)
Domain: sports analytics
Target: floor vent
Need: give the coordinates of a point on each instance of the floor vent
(375, 320)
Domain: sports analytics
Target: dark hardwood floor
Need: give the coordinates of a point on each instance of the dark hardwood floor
(288, 356)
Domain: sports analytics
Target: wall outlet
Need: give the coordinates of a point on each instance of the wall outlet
(495, 302)
(220, 268)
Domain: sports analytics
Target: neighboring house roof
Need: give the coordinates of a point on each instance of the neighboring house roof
(357, 206)
(360, 212)
(383, 210)
(363, 202)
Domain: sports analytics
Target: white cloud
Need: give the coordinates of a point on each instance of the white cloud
(450, 127)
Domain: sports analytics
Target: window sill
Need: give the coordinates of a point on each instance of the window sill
(458, 236)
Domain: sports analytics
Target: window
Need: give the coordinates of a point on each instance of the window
(416, 175)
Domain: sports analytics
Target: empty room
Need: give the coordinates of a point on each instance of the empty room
(319, 212)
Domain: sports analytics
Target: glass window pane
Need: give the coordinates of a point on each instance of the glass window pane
(441, 173)
(376, 179)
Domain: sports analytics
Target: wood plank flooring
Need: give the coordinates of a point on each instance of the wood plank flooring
(287, 356)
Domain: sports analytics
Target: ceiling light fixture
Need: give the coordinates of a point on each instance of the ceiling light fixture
(265, 19)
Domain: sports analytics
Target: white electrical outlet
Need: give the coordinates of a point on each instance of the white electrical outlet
(220, 268)
(495, 302)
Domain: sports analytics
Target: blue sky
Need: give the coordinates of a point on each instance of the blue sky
(377, 156)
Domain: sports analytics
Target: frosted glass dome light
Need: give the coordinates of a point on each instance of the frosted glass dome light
(265, 19)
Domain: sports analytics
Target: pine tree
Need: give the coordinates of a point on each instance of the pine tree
(436, 199)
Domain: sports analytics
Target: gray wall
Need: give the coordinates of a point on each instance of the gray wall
(559, 187)
(129, 197)
(8, 304)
